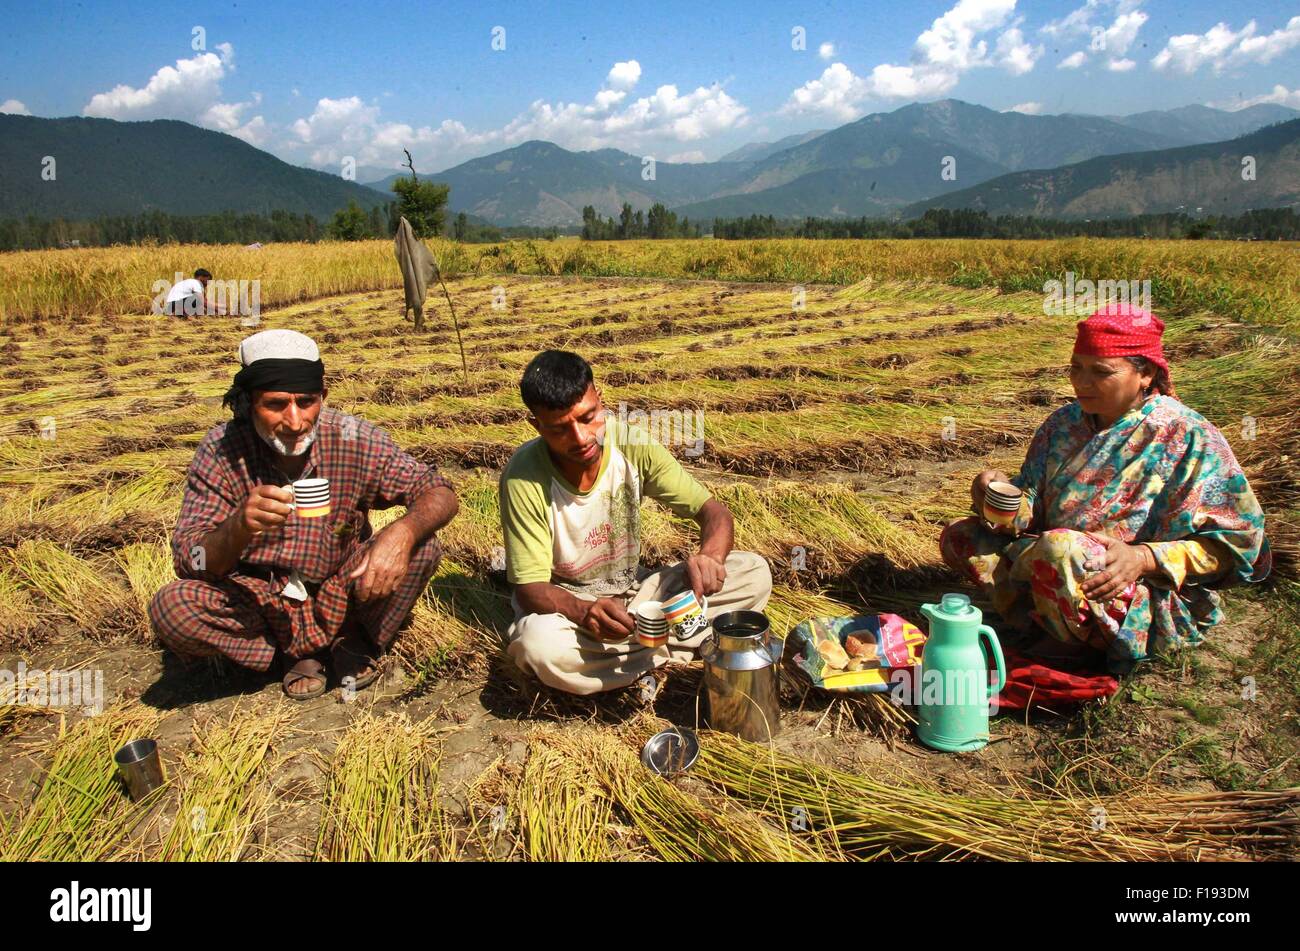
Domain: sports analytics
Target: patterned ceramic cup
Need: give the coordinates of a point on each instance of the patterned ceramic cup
(1001, 503)
(651, 625)
(311, 498)
(685, 613)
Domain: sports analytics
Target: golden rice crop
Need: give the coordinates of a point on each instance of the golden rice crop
(1255, 280)
(147, 566)
(676, 825)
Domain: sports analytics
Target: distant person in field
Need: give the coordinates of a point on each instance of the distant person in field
(1134, 511)
(570, 513)
(187, 298)
(259, 582)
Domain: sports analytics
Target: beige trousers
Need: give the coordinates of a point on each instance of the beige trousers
(565, 656)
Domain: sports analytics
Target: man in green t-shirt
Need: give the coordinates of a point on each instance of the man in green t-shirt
(571, 513)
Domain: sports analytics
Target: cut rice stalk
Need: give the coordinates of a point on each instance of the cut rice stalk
(870, 818)
(147, 566)
(82, 810)
(73, 587)
(676, 825)
(225, 795)
(382, 804)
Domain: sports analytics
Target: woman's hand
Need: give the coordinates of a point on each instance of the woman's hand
(980, 486)
(1121, 565)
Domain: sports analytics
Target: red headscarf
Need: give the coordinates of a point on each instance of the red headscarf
(1122, 330)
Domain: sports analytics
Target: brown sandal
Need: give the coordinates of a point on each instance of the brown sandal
(354, 647)
(309, 668)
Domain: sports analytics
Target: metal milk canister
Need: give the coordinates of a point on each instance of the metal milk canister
(742, 676)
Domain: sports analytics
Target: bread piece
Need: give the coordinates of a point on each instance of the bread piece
(860, 645)
(832, 654)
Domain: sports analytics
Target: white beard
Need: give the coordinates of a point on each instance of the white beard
(275, 442)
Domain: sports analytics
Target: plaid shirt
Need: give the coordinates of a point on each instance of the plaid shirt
(366, 470)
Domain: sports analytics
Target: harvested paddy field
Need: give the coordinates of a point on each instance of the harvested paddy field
(842, 434)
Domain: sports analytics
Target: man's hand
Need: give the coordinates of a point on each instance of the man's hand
(980, 486)
(608, 620)
(1121, 565)
(266, 507)
(706, 574)
(385, 564)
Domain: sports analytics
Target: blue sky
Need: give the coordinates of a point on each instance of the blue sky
(314, 83)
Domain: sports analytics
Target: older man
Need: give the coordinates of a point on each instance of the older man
(570, 512)
(258, 579)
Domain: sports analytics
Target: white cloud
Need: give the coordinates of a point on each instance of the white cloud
(624, 75)
(12, 107)
(190, 90)
(1079, 22)
(1119, 36)
(687, 158)
(951, 43)
(1110, 42)
(1280, 96)
(837, 93)
(1027, 108)
(826, 50)
(1220, 47)
(954, 43)
(1014, 54)
(349, 126)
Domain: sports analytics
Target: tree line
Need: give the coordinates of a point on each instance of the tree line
(659, 222)
(424, 204)
(1264, 224)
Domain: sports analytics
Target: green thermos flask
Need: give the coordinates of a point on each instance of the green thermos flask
(954, 690)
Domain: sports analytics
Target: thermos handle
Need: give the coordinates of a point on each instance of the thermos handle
(995, 650)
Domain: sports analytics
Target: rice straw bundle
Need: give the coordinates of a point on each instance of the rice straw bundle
(677, 826)
(564, 814)
(13, 714)
(147, 566)
(870, 819)
(225, 794)
(18, 615)
(152, 493)
(381, 804)
(457, 617)
(74, 587)
(82, 810)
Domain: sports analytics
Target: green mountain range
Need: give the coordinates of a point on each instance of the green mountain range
(1259, 170)
(106, 167)
(936, 154)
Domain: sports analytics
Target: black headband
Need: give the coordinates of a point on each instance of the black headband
(282, 374)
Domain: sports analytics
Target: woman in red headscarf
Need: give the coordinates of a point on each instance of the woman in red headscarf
(1134, 510)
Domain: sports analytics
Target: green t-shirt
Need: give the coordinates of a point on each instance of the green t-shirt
(588, 541)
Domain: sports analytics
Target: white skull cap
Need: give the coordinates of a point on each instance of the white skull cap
(277, 344)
